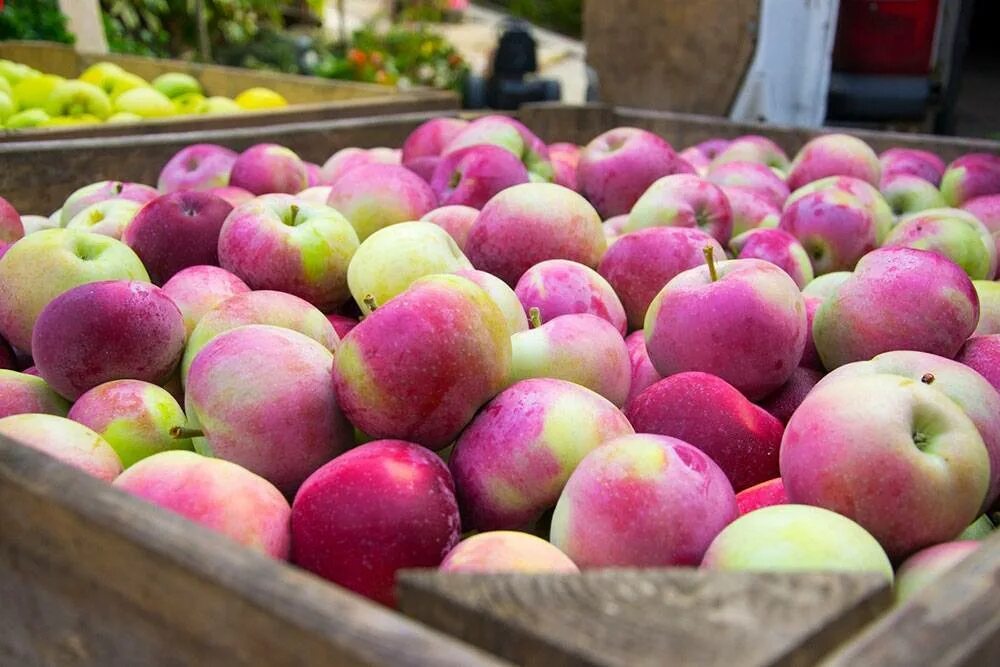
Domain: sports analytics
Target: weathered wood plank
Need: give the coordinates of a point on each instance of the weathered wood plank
(649, 617)
(91, 576)
(671, 54)
(954, 622)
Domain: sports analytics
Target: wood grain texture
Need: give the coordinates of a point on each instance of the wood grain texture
(92, 576)
(671, 54)
(649, 617)
(310, 98)
(953, 622)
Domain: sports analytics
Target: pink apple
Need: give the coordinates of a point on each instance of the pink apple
(712, 415)
(422, 148)
(72, 443)
(618, 166)
(642, 501)
(507, 133)
(970, 176)
(987, 210)
(342, 324)
(912, 161)
(374, 196)
(907, 193)
(267, 168)
(471, 176)
(752, 177)
(561, 287)
(382, 507)
(11, 227)
(951, 233)
(751, 148)
(928, 564)
(21, 393)
(101, 191)
(197, 289)
(502, 295)
(783, 402)
(317, 194)
(758, 496)
(565, 159)
(314, 174)
(750, 211)
(643, 373)
(235, 196)
(347, 159)
(834, 155)
(499, 551)
(696, 159)
(614, 227)
(197, 167)
(777, 247)
(177, 231)
(640, 263)
(112, 330)
(683, 200)
(810, 357)
(982, 354)
(457, 220)
(530, 223)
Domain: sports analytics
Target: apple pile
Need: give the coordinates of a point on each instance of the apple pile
(105, 92)
(573, 357)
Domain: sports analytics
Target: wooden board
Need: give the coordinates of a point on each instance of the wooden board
(632, 618)
(671, 54)
(310, 98)
(92, 576)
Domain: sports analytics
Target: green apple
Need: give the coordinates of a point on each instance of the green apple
(190, 103)
(124, 117)
(175, 84)
(389, 260)
(69, 121)
(221, 105)
(108, 217)
(103, 75)
(126, 82)
(34, 92)
(14, 72)
(145, 102)
(77, 98)
(26, 119)
(7, 107)
(5, 87)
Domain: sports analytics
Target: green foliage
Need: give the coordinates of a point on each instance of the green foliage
(565, 16)
(34, 20)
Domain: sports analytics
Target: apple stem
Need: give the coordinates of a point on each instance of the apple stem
(709, 253)
(182, 433)
(119, 186)
(927, 378)
(294, 208)
(370, 302)
(534, 317)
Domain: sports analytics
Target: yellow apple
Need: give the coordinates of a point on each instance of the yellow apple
(34, 92)
(26, 119)
(254, 99)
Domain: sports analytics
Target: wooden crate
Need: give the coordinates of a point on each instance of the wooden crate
(90, 576)
(310, 98)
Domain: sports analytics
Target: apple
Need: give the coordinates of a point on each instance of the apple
(683, 200)
(750, 211)
(382, 507)
(449, 354)
(347, 159)
(615, 227)
(894, 454)
(509, 134)
(269, 168)
(72, 443)
(502, 295)
(34, 91)
(777, 247)
(561, 287)
(471, 176)
(783, 402)
(261, 396)
(750, 148)
(565, 159)
(709, 413)
(342, 324)
(379, 195)
(642, 501)
(40, 267)
(194, 216)
(218, 105)
(527, 224)
(500, 551)
(261, 307)
(619, 165)
(11, 226)
(969, 390)
(259, 98)
(929, 564)
(21, 393)
(913, 162)
(790, 538)
(197, 167)
(14, 72)
(235, 196)
(203, 490)
(689, 325)
(982, 354)
(980, 529)
(951, 233)
(123, 83)
(897, 299)
(580, 348)
(36, 223)
(76, 98)
(7, 107)
(280, 242)
(642, 371)
(457, 220)
(987, 211)
(103, 331)
(388, 261)
(422, 147)
(834, 155)
(316, 194)
(26, 119)
(176, 84)
(145, 102)
(970, 176)
(102, 191)
(189, 104)
(197, 289)
(109, 217)
(824, 286)
(753, 177)
(837, 221)
(906, 193)
(698, 160)
(102, 74)
(134, 417)
(511, 463)
(758, 496)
